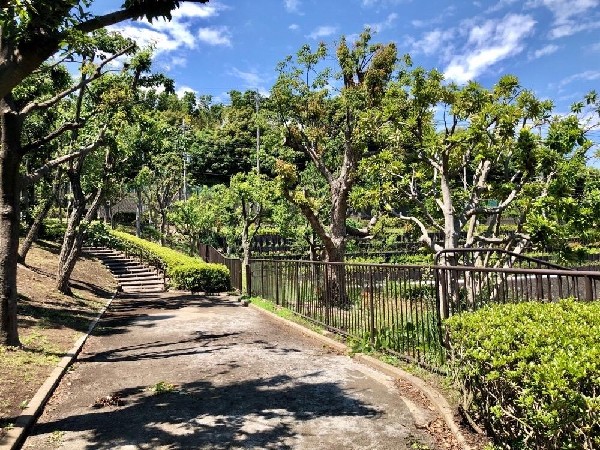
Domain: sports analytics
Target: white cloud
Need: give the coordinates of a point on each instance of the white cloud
(291, 5)
(251, 78)
(387, 23)
(322, 32)
(544, 51)
(489, 43)
(215, 36)
(433, 42)
(294, 26)
(588, 75)
(570, 17)
(183, 89)
(168, 36)
(373, 3)
(203, 11)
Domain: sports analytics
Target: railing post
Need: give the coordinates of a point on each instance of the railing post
(248, 279)
(371, 307)
(276, 282)
(589, 291)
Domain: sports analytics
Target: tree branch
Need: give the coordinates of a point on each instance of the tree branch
(84, 82)
(424, 238)
(69, 126)
(39, 173)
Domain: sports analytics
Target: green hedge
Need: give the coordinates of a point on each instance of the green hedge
(531, 372)
(185, 272)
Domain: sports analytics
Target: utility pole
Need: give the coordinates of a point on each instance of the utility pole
(257, 97)
(185, 160)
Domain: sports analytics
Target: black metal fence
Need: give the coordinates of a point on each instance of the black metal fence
(400, 308)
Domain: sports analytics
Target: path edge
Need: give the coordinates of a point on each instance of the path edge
(433, 395)
(15, 437)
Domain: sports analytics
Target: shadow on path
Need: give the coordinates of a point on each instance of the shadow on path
(248, 414)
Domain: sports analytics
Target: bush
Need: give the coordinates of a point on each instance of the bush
(530, 372)
(97, 234)
(185, 272)
(53, 230)
(207, 278)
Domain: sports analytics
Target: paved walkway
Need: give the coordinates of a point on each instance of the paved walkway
(241, 380)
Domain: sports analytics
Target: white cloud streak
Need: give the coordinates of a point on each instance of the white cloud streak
(544, 51)
(323, 31)
(291, 6)
(570, 16)
(215, 36)
(489, 43)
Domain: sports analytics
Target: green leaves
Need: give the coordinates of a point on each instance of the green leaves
(533, 372)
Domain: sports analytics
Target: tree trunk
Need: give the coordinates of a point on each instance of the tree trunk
(10, 160)
(37, 224)
(77, 212)
(163, 227)
(70, 258)
(138, 213)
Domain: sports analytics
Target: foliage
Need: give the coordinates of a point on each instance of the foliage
(97, 234)
(186, 272)
(200, 278)
(531, 372)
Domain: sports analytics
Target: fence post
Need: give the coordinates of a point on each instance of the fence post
(589, 291)
(276, 282)
(371, 307)
(248, 279)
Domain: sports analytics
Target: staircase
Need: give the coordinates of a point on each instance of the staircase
(132, 276)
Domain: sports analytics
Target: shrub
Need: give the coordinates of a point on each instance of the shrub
(207, 277)
(185, 272)
(97, 234)
(530, 372)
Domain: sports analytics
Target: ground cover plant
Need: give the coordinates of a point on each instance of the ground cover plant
(50, 323)
(530, 372)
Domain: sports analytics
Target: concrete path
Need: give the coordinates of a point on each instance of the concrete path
(169, 371)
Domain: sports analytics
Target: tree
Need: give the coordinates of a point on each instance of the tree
(32, 32)
(331, 131)
(480, 160)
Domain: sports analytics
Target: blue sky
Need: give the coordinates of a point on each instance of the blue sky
(553, 46)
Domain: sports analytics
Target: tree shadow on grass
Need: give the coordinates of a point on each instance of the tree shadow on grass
(261, 413)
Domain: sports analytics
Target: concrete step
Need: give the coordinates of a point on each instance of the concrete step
(125, 276)
(131, 275)
(155, 282)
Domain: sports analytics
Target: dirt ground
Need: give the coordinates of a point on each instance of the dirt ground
(49, 323)
(182, 372)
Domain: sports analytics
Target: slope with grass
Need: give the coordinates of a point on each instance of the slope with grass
(49, 323)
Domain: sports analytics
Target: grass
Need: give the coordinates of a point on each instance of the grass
(162, 387)
(284, 313)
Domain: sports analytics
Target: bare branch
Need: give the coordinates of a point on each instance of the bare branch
(84, 82)
(424, 238)
(39, 173)
(69, 126)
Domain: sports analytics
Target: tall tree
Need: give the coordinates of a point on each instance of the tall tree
(330, 129)
(463, 161)
(32, 32)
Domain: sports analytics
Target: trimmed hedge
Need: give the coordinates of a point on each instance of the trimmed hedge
(185, 272)
(530, 372)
